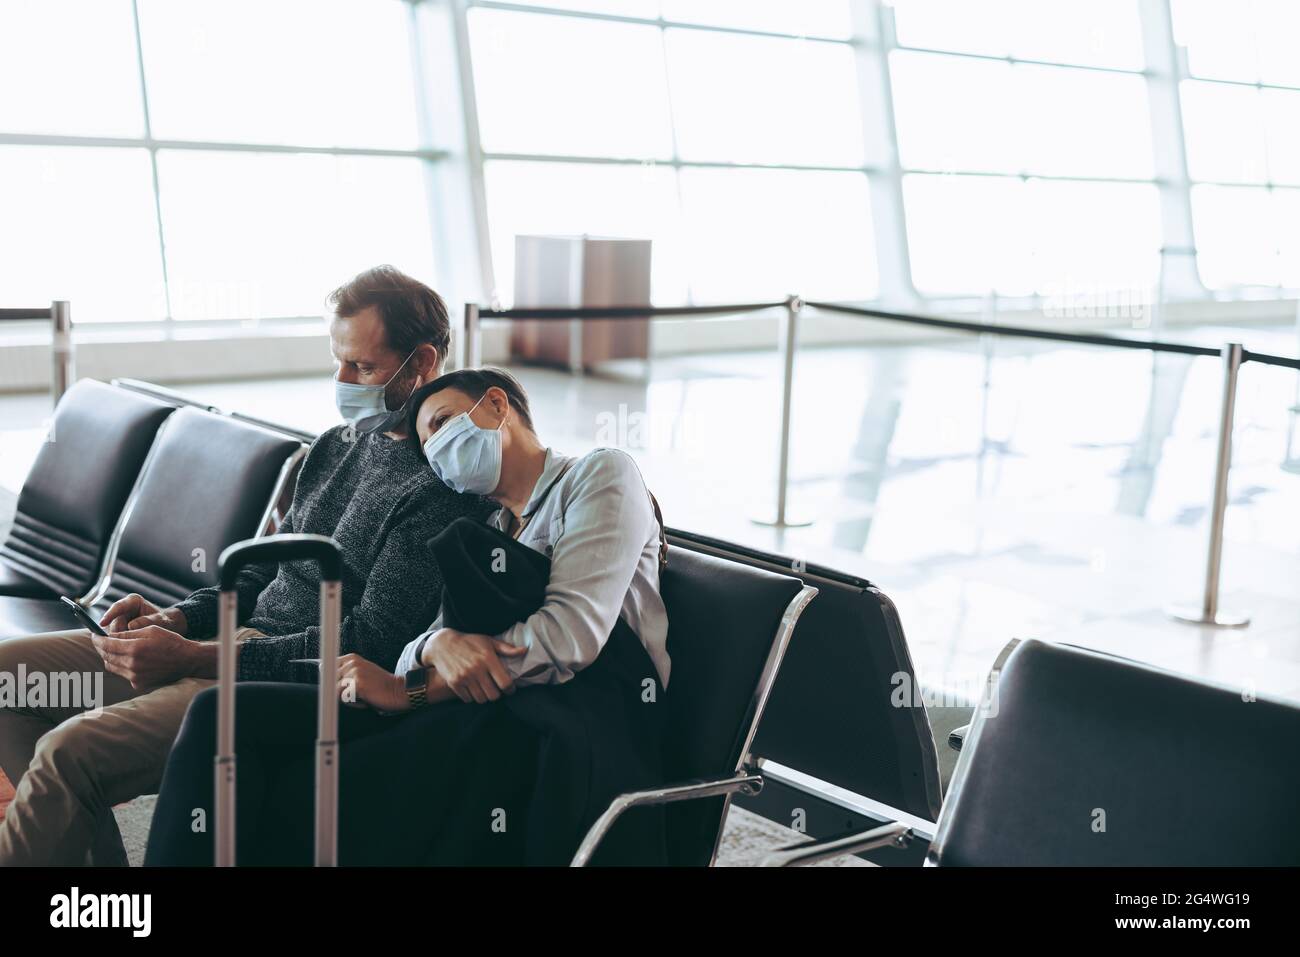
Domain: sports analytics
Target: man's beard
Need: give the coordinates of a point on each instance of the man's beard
(404, 387)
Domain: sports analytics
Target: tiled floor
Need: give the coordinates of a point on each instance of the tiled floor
(1027, 491)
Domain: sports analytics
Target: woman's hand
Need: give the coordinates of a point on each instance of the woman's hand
(471, 664)
(362, 682)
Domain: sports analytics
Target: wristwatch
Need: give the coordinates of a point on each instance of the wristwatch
(417, 684)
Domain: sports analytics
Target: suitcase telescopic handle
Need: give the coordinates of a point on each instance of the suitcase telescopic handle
(280, 548)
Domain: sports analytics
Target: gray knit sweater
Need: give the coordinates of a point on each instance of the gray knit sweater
(381, 502)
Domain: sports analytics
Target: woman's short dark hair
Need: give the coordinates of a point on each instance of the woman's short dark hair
(475, 384)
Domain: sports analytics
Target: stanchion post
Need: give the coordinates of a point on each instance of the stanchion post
(788, 344)
(64, 373)
(1209, 612)
(471, 348)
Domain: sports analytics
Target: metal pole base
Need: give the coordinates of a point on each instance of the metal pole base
(1195, 615)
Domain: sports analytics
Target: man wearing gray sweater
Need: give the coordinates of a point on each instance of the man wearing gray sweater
(360, 483)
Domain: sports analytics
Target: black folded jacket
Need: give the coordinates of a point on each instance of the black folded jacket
(584, 741)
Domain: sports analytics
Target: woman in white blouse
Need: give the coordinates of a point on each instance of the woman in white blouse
(550, 655)
(591, 515)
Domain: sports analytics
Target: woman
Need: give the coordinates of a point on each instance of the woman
(533, 700)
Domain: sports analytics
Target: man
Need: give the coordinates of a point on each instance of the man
(361, 483)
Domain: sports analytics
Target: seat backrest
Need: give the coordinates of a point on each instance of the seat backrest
(845, 707)
(208, 483)
(79, 483)
(1084, 759)
(724, 621)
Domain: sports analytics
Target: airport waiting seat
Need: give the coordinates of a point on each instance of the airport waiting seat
(209, 480)
(846, 714)
(729, 628)
(74, 495)
(1083, 759)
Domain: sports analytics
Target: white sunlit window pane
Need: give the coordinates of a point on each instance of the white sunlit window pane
(1093, 237)
(1246, 236)
(764, 99)
(1093, 33)
(1083, 123)
(1277, 34)
(568, 199)
(755, 234)
(1219, 36)
(57, 79)
(951, 114)
(822, 18)
(957, 114)
(962, 26)
(266, 235)
(1089, 32)
(1282, 130)
(974, 235)
(1224, 130)
(967, 235)
(566, 85)
(1286, 204)
(303, 72)
(79, 225)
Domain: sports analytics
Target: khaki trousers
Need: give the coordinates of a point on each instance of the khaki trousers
(71, 761)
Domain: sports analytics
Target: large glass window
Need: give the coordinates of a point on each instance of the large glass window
(560, 85)
(55, 79)
(79, 224)
(176, 160)
(303, 72)
(1241, 116)
(85, 169)
(267, 235)
(745, 128)
(1060, 239)
(1049, 164)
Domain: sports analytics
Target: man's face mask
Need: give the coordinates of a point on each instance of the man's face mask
(466, 456)
(356, 402)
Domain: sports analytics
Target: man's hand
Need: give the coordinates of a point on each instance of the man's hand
(148, 657)
(471, 664)
(134, 612)
(362, 682)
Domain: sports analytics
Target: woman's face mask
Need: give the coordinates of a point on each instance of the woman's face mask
(355, 401)
(465, 456)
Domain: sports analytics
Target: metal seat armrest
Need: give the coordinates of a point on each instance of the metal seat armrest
(742, 782)
(957, 737)
(810, 852)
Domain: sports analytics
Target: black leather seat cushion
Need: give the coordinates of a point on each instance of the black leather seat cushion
(835, 710)
(1179, 772)
(722, 619)
(74, 494)
(31, 616)
(14, 582)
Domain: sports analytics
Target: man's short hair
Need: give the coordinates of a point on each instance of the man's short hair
(412, 313)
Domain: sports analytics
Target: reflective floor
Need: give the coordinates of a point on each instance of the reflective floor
(994, 491)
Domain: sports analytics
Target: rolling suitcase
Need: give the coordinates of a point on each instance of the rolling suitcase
(281, 548)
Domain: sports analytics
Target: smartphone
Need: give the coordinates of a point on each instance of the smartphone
(84, 617)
